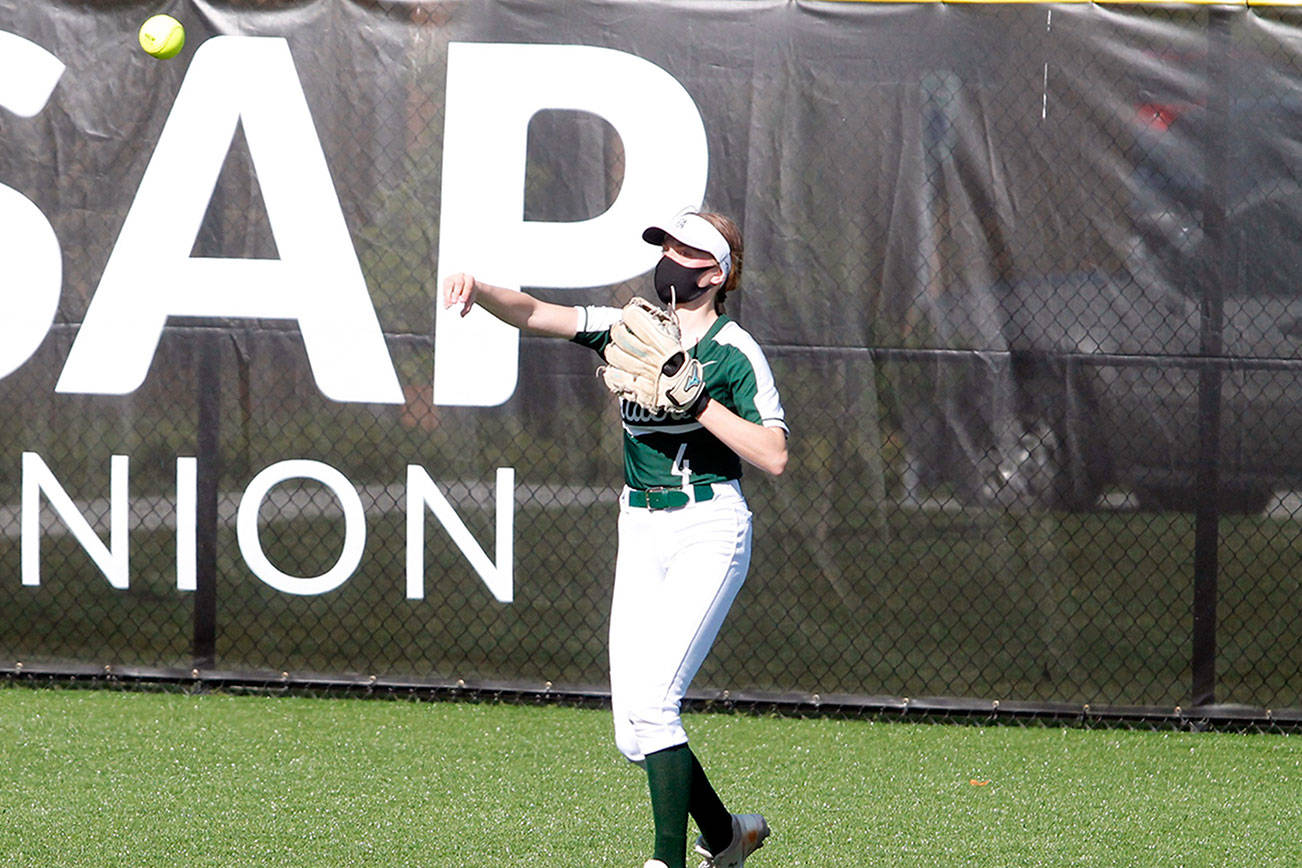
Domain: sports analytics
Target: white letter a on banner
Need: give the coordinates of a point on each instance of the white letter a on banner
(317, 281)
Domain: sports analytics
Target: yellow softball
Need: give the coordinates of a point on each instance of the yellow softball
(162, 36)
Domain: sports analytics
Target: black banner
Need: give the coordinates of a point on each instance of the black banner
(1026, 274)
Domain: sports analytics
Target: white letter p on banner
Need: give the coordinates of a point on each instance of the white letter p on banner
(493, 90)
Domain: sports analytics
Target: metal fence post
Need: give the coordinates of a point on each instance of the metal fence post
(1212, 324)
(208, 383)
(208, 472)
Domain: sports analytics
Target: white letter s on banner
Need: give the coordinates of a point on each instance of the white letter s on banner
(31, 263)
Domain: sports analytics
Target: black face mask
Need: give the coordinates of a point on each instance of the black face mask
(681, 279)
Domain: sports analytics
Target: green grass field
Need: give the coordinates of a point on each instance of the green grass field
(108, 778)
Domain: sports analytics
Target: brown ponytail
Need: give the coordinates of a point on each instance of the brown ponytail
(728, 229)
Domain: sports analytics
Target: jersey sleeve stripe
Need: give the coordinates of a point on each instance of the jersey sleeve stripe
(767, 401)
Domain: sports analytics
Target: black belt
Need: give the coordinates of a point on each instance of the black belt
(668, 498)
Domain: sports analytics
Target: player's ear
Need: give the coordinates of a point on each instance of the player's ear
(716, 276)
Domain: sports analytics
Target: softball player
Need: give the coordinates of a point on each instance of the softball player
(684, 526)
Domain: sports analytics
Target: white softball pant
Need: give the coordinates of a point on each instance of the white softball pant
(676, 575)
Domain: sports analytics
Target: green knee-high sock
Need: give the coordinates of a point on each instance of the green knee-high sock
(669, 775)
(707, 809)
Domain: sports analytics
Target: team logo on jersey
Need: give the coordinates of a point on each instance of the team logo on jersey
(636, 414)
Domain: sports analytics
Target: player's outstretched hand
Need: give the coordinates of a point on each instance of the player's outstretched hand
(460, 289)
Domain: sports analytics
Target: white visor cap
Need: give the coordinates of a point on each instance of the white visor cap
(695, 231)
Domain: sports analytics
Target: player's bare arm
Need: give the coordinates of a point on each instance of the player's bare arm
(762, 446)
(510, 306)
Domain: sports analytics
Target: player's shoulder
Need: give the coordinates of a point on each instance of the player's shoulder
(732, 334)
(736, 342)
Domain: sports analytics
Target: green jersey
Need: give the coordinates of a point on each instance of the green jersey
(674, 450)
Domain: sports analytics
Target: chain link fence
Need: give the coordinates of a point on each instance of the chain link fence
(1026, 276)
